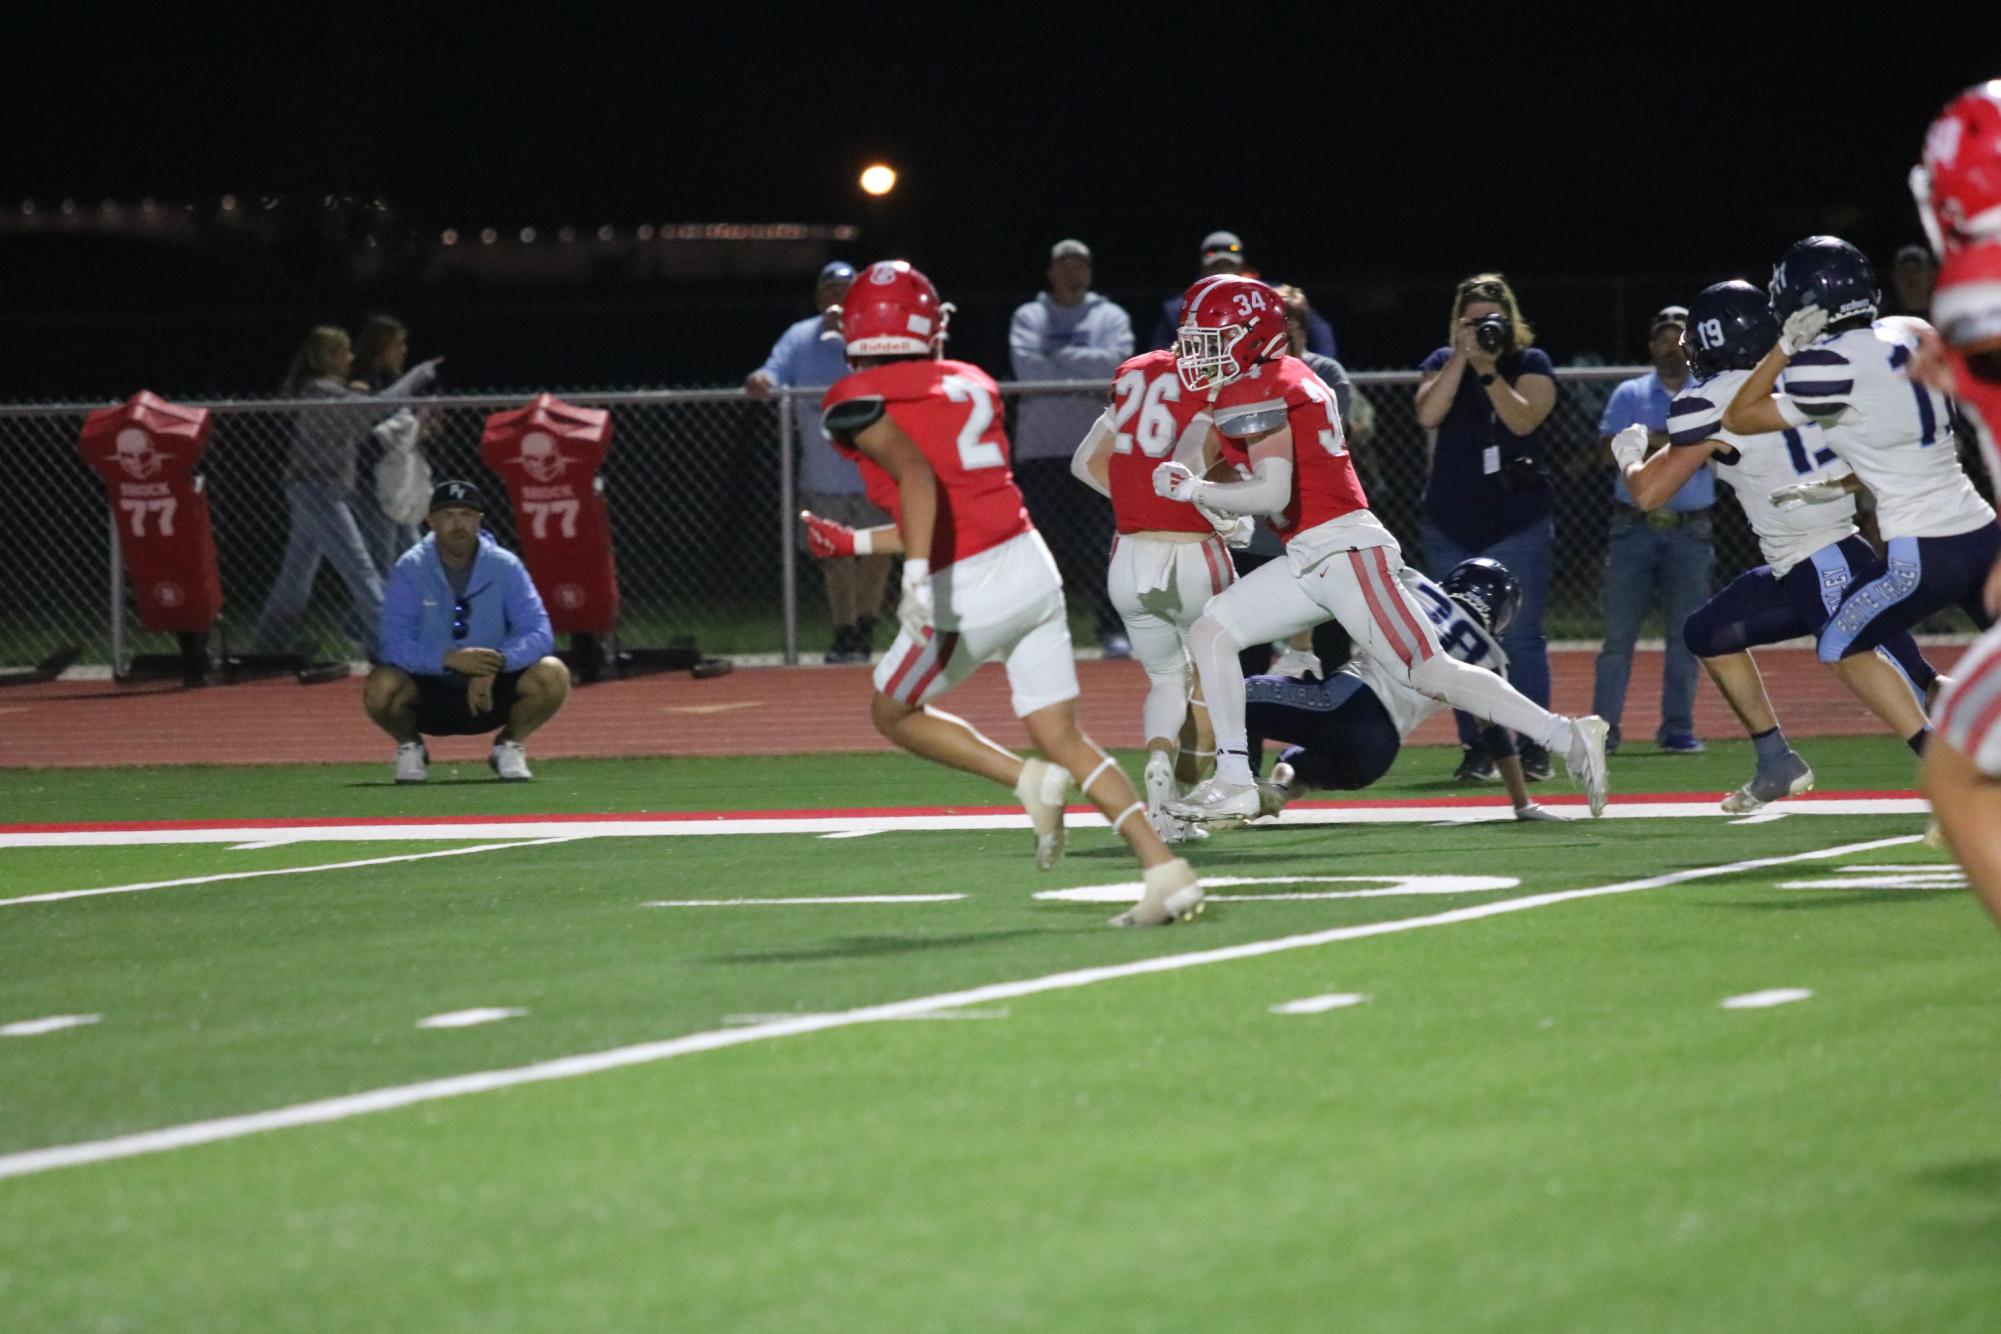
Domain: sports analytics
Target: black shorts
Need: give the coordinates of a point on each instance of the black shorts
(442, 711)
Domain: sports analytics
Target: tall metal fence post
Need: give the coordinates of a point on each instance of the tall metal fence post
(788, 530)
(117, 599)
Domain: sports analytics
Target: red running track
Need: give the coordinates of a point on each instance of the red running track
(753, 711)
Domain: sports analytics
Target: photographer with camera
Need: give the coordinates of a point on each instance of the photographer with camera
(1484, 398)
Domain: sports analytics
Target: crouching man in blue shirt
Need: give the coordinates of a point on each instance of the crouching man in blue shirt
(465, 644)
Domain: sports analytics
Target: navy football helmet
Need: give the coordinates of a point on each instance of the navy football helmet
(1488, 591)
(1730, 328)
(1828, 272)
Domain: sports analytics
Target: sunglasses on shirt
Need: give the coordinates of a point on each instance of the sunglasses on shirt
(461, 608)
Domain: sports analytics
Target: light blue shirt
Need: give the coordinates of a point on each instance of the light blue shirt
(802, 358)
(1644, 400)
(1049, 341)
(503, 610)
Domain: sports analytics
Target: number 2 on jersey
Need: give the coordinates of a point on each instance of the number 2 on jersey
(975, 451)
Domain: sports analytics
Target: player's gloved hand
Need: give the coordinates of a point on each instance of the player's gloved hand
(1801, 328)
(1174, 481)
(1807, 493)
(1235, 529)
(827, 539)
(1535, 812)
(1630, 446)
(914, 611)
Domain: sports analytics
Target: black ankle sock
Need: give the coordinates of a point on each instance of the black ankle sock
(1917, 741)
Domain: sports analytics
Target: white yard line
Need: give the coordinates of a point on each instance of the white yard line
(628, 827)
(56, 896)
(471, 1018)
(324, 1110)
(1765, 1000)
(1339, 1000)
(803, 903)
(55, 1023)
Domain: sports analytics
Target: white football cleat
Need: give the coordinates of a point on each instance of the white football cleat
(1586, 758)
(1173, 894)
(510, 760)
(1042, 789)
(1272, 795)
(1788, 776)
(1215, 802)
(412, 762)
(1160, 789)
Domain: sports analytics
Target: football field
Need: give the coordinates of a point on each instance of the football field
(808, 1043)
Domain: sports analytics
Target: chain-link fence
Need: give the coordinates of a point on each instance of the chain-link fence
(701, 487)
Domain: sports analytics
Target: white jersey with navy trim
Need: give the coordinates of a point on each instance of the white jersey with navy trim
(1458, 634)
(1758, 465)
(1895, 433)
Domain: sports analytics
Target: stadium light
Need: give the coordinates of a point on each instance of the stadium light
(878, 179)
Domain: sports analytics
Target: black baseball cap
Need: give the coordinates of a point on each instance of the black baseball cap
(457, 495)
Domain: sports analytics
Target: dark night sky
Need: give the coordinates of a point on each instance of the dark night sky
(1344, 147)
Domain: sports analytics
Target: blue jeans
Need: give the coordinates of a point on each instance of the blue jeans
(1647, 565)
(385, 538)
(1527, 556)
(323, 528)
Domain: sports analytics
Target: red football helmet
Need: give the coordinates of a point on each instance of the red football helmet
(892, 310)
(1227, 327)
(1958, 181)
(1196, 288)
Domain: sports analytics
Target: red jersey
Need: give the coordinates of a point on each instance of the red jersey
(1287, 392)
(1152, 414)
(952, 411)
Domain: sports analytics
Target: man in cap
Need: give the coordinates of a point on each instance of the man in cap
(809, 355)
(1223, 252)
(1659, 556)
(1069, 332)
(464, 645)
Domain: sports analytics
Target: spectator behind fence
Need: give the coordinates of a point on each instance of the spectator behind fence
(809, 355)
(1484, 397)
(1069, 333)
(393, 481)
(1222, 252)
(1660, 556)
(320, 500)
(465, 644)
(1913, 275)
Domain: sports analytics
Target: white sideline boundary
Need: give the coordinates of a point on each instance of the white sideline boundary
(616, 827)
(140, 887)
(322, 1111)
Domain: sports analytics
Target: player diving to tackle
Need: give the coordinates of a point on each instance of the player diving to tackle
(1275, 419)
(1958, 188)
(1348, 728)
(1813, 553)
(979, 585)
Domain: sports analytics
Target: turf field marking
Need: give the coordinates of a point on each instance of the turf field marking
(262, 844)
(142, 886)
(853, 833)
(1000, 1013)
(1394, 886)
(1339, 1000)
(1765, 1000)
(32, 1028)
(468, 1018)
(29, 1161)
(1761, 817)
(1421, 810)
(1943, 877)
(802, 903)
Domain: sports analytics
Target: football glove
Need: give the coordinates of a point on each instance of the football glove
(1630, 446)
(914, 611)
(1235, 530)
(1807, 493)
(1175, 482)
(827, 539)
(1802, 327)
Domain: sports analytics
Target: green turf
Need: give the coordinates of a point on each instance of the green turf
(1538, 1121)
(781, 782)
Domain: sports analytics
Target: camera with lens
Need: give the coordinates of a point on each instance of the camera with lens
(1494, 333)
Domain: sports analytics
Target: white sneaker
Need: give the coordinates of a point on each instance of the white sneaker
(1586, 758)
(411, 762)
(1787, 776)
(1042, 789)
(1215, 802)
(1173, 894)
(1160, 789)
(510, 761)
